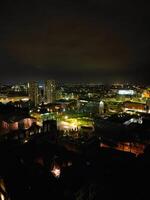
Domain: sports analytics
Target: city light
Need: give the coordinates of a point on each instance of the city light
(56, 171)
(74, 100)
(66, 117)
(2, 197)
(126, 92)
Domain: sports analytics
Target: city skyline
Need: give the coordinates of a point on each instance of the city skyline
(74, 99)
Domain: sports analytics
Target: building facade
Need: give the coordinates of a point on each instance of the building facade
(50, 91)
(33, 92)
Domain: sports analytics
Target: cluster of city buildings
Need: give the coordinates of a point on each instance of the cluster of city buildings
(74, 106)
(39, 94)
(81, 118)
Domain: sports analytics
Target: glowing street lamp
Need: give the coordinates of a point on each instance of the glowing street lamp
(56, 171)
(66, 117)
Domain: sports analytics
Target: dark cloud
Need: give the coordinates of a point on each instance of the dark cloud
(75, 40)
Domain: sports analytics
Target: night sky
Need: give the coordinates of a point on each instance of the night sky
(71, 40)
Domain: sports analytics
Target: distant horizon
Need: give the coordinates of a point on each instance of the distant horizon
(41, 81)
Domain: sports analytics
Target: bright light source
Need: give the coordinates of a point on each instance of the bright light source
(25, 141)
(66, 117)
(56, 172)
(126, 92)
(2, 197)
(25, 99)
(101, 104)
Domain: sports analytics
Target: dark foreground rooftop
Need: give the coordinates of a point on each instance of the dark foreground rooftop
(104, 174)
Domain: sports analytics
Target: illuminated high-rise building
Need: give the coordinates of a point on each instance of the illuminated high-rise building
(50, 91)
(33, 92)
(101, 107)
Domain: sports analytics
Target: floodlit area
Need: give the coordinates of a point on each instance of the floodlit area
(74, 124)
(6, 99)
(65, 122)
(42, 117)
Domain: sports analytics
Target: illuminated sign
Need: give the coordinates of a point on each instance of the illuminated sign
(126, 92)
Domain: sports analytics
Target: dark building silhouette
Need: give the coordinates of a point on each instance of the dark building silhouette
(50, 126)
